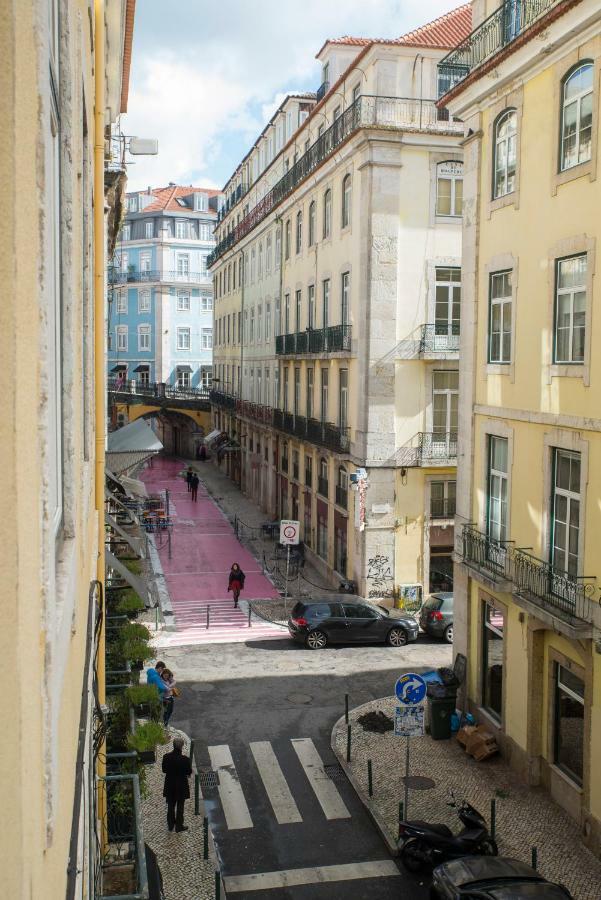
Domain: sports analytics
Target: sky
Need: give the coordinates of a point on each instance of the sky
(207, 76)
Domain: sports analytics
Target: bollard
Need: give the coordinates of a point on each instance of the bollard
(346, 708)
(205, 838)
(208, 615)
(348, 743)
(534, 858)
(249, 614)
(370, 782)
(493, 818)
(217, 885)
(156, 618)
(401, 815)
(197, 794)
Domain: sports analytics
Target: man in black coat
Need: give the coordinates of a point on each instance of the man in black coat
(177, 769)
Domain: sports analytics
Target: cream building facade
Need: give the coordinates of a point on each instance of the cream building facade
(337, 285)
(527, 601)
(54, 112)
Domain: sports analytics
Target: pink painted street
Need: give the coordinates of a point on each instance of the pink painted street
(203, 548)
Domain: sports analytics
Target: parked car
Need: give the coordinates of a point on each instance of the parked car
(340, 619)
(436, 616)
(492, 878)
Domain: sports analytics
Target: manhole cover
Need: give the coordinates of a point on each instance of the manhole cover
(208, 779)
(419, 783)
(334, 771)
(299, 698)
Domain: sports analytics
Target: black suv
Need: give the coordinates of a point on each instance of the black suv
(340, 619)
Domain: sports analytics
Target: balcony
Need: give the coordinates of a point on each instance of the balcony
(323, 434)
(255, 411)
(132, 389)
(394, 113)
(322, 90)
(439, 338)
(225, 401)
(341, 496)
(489, 557)
(322, 487)
(442, 507)
(117, 276)
(332, 339)
(503, 26)
(429, 449)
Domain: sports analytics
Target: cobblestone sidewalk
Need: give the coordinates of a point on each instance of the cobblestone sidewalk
(186, 876)
(526, 817)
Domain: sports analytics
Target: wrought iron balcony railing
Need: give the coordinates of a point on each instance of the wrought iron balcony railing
(489, 556)
(439, 337)
(429, 449)
(322, 486)
(323, 434)
(255, 411)
(395, 113)
(442, 507)
(117, 276)
(219, 398)
(157, 390)
(503, 26)
(322, 90)
(342, 496)
(332, 339)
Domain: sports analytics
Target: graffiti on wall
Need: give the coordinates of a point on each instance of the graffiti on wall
(379, 577)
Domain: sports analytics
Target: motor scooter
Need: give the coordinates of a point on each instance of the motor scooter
(424, 844)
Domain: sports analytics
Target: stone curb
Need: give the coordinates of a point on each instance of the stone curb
(340, 727)
(161, 585)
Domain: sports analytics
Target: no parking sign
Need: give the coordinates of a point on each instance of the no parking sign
(289, 531)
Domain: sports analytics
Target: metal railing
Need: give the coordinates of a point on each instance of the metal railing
(255, 411)
(117, 276)
(322, 486)
(342, 497)
(429, 448)
(503, 26)
(366, 112)
(124, 826)
(324, 434)
(322, 90)
(331, 339)
(439, 337)
(442, 507)
(489, 556)
(157, 390)
(219, 398)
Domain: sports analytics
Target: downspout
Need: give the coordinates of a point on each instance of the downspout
(241, 336)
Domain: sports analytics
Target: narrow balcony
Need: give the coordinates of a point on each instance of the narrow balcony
(139, 276)
(429, 449)
(132, 390)
(551, 590)
(255, 411)
(504, 25)
(225, 401)
(488, 557)
(332, 339)
(323, 434)
(442, 507)
(439, 339)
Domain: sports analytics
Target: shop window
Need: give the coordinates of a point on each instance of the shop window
(492, 659)
(569, 723)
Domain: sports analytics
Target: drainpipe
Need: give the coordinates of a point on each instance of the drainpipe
(241, 336)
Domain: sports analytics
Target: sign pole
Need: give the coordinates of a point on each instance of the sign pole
(287, 571)
(408, 739)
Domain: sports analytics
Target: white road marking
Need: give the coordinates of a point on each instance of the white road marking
(325, 790)
(282, 801)
(234, 805)
(384, 868)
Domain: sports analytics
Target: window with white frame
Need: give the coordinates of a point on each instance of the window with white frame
(312, 221)
(442, 499)
(253, 264)
(260, 262)
(252, 325)
(183, 301)
(447, 305)
(311, 306)
(445, 405)
(143, 301)
(145, 262)
(325, 303)
(278, 247)
(121, 331)
(205, 377)
(449, 188)
(570, 309)
(356, 92)
(124, 262)
(565, 512)
(268, 321)
(499, 318)
(126, 232)
(299, 232)
(203, 264)
(505, 153)
(569, 737)
(206, 337)
(287, 233)
(183, 377)
(346, 201)
(268, 253)
(181, 230)
(183, 338)
(206, 303)
(144, 338)
(121, 302)
(497, 488)
(183, 264)
(327, 214)
(149, 229)
(345, 298)
(204, 231)
(577, 116)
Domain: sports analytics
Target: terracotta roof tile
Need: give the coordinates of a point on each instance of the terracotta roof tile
(166, 198)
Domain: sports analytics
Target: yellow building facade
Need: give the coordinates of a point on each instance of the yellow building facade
(63, 77)
(528, 572)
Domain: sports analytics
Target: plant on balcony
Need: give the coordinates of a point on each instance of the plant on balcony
(129, 605)
(144, 740)
(145, 700)
(132, 644)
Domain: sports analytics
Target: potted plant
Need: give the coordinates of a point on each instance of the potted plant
(120, 810)
(134, 643)
(129, 605)
(145, 700)
(145, 739)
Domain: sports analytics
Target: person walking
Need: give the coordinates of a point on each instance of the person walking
(236, 582)
(194, 486)
(168, 697)
(189, 477)
(176, 790)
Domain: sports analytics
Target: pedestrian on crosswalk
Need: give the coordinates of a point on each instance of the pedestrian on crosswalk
(194, 486)
(176, 790)
(236, 582)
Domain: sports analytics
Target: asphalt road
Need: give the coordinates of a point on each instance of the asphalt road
(275, 811)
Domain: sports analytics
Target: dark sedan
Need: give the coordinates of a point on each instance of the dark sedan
(492, 878)
(340, 619)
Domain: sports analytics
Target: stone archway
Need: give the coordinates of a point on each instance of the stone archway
(181, 434)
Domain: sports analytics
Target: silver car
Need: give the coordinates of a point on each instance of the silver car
(436, 616)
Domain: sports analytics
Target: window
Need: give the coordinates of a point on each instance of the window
(287, 240)
(183, 264)
(577, 116)
(346, 201)
(252, 325)
(259, 324)
(297, 392)
(144, 376)
(343, 400)
(144, 262)
(445, 395)
(267, 255)
(229, 328)
(309, 404)
(327, 214)
(345, 298)
(492, 659)
(182, 378)
(144, 301)
(499, 318)
(260, 262)
(442, 499)
(183, 301)
(286, 313)
(126, 232)
(505, 154)
(121, 337)
(267, 388)
(122, 302)
(570, 309)
(356, 92)
(324, 394)
(204, 231)
(144, 337)
(449, 188)
(298, 309)
(183, 338)
(276, 388)
(206, 304)
(447, 304)
(205, 377)
(326, 74)
(267, 322)
(278, 247)
(312, 217)
(308, 480)
(322, 534)
(497, 493)
(181, 230)
(277, 319)
(569, 723)
(322, 480)
(299, 232)
(285, 390)
(253, 267)
(125, 262)
(337, 113)
(149, 229)
(565, 512)
(311, 303)
(325, 306)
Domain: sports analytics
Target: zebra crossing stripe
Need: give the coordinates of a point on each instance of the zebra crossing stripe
(262, 881)
(233, 803)
(325, 790)
(285, 809)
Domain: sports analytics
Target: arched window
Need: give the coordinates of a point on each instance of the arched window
(322, 480)
(327, 214)
(299, 231)
(346, 201)
(449, 188)
(505, 153)
(577, 116)
(312, 210)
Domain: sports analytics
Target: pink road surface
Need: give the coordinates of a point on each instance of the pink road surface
(203, 548)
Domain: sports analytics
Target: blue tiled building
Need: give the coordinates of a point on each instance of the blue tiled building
(160, 298)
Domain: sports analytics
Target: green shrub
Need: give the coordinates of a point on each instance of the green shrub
(147, 736)
(129, 603)
(146, 694)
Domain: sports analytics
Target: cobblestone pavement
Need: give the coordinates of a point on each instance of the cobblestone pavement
(186, 876)
(526, 817)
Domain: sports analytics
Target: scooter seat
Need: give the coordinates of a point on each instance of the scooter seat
(438, 828)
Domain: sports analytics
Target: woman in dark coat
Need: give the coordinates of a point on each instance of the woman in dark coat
(176, 791)
(236, 582)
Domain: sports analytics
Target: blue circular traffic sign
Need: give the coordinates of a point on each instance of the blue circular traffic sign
(410, 689)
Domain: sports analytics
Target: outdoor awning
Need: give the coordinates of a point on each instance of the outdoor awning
(134, 581)
(184, 368)
(143, 367)
(131, 445)
(136, 545)
(134, 487)
(119, 368)
(212, 435)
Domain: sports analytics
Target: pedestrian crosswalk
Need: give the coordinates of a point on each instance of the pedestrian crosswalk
(278, 788)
